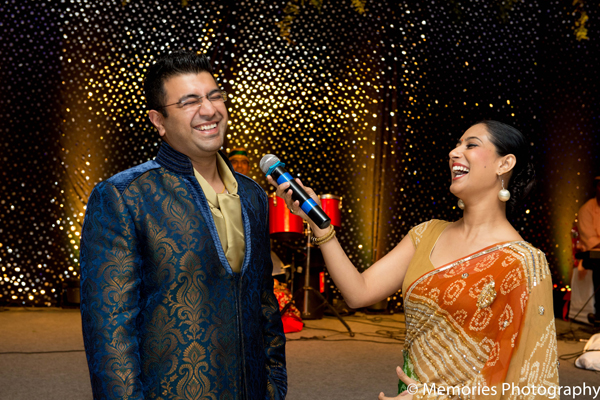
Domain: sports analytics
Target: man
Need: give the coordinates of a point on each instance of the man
(589, 234)
(238, 157)
(177, 296)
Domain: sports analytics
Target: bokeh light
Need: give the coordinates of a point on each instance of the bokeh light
(364, 106)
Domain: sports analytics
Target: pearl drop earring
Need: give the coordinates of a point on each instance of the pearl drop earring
(503, 194)
(461, 204)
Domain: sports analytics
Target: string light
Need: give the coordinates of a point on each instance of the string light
(365, 106)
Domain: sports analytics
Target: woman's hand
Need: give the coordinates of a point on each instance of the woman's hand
(294, 206)
(407, 394)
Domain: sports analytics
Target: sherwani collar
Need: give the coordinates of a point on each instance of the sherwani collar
(178, 162)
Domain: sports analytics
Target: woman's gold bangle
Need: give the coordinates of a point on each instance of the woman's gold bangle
(324, 239)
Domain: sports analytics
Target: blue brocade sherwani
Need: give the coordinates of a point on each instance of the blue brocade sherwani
(164, 316)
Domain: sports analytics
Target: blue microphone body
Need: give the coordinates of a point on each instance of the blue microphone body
(308, 205)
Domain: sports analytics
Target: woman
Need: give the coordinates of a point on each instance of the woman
(477, 298)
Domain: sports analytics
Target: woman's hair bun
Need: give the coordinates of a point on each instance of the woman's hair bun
(509, 140)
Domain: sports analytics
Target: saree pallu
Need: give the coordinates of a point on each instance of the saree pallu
(482, 326)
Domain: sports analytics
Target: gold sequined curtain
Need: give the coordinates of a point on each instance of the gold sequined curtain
(363, 106)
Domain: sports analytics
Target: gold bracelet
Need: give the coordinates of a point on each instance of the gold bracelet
(324, 239)
(322, 242)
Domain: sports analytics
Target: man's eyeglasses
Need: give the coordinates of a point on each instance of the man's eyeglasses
(192, 101)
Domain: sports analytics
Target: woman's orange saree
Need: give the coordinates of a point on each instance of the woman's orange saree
(482, 326)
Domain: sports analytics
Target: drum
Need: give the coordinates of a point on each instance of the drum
(283, 225)
(332, 206)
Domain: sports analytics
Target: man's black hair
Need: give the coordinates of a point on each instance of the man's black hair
(175, 63)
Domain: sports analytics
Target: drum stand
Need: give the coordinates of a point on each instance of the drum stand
(306, 289)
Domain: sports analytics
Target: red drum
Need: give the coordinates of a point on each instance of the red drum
(283, 225)
(332, 206)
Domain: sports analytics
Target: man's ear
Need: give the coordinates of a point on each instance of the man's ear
(157, 120)
(507, 163)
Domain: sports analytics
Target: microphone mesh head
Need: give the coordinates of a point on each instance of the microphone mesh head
(267, 162)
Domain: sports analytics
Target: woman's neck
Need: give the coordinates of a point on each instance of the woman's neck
(486, 219)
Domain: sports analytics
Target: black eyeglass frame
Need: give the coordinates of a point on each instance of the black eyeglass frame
(182, 102)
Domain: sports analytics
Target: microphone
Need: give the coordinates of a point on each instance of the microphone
(271, 165)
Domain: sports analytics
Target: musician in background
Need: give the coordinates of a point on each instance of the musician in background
(589, 234)
(238, 157)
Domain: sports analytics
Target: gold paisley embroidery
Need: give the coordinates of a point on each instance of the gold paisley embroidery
(422, 287)
(494, 354)
(509, 259)
(487, 344)
(513, 340)
(536, 373)
(271, 390)
(457, 270)
(119, 363)
(223, 353)
(434, 294)
(481, 319)
(177, 212)
(524, 298)
(161, 347)
(487, 261)
(506, 318)
(476, 288)
(434, 329)
(460, 317)
(194, 383)
(161, 252)
(453, 291)
(419, 230)
(511, 281)
(117, 271)
(191, 298)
